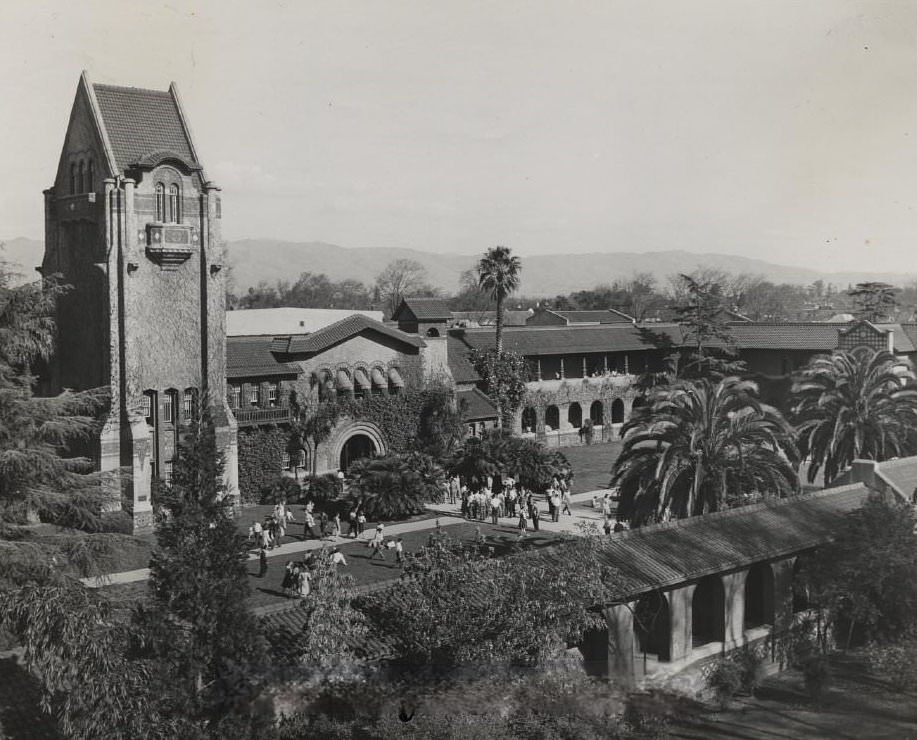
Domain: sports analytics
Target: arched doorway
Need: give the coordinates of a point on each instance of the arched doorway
(597, 413)
(759, 596)
(708, 611)
(652, 626)
(575, 415)
(432, 332)
(529, 420)
(617, 411)
(552, 418)
(356, 448)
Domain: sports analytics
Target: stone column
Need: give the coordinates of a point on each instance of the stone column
(585, 372)
(680, 610)
(538, 367)
(734, 620)
(620, 621)
(563, 410)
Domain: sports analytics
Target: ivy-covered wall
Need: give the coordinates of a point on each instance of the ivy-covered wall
(260, 459)
(398, 417)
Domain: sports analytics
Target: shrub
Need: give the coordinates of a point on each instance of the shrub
(282, 489)
(897, 663)
(393, 486)
(725, 679)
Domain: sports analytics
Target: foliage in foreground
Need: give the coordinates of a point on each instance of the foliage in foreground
(699, 447)
(866, 580)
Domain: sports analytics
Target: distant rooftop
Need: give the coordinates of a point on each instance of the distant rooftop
(254, 322)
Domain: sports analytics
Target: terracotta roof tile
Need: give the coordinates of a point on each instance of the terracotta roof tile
(424, 309)
(668, 554)
(459, 364)
(532, 341)
(343, 330)
(141, 122)
(608, 316)
(249, 357)
(475, 405)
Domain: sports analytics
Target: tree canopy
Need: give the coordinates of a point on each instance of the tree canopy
(849, 405)
(701, 446)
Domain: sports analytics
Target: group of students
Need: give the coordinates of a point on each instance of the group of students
(297, 576)
(512, 500)
(378, 544)
(269, 533)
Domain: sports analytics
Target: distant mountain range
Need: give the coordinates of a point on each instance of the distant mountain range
(257, 260)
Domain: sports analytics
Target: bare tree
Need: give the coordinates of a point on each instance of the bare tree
(400, 278)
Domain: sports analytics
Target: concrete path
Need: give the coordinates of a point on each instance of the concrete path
(449, 514)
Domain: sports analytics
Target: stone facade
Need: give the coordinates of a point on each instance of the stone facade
(137, 235)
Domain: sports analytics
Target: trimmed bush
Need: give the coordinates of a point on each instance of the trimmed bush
(282, 489)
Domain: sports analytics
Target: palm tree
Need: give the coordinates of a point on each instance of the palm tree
(699, 447)
(498, 275)
(858, 404)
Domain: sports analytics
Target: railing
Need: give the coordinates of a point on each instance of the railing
(252, 417)
(621, 380)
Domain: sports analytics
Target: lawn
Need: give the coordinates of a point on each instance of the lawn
(592, 464)
(364, 571)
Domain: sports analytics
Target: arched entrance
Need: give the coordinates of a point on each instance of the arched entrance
(759, 596)
(575, 415)
(708, 611)
(552, 418)
(529, 420)
(597, 413)
(617, 411)
(355, 448)
(652, 626)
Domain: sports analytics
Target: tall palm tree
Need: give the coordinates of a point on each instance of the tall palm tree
(700, 446)
(498, 275)
(858, 404)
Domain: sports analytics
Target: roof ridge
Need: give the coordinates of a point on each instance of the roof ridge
(131, 88)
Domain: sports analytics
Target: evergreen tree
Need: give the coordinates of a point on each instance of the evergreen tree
(197, 629)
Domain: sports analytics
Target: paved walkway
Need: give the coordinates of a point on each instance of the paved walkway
(582, 513)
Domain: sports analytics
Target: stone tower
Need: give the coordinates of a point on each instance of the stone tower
(133, 225)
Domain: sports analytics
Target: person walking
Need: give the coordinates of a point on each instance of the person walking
(303, 587)
(377, 544)
(523, 523)
(336, 526)
(555, 505)
(308, 526)
(607, 525)
(361, 523)
(352, 523)
(262, 563)
(287, 583)
(494, 509)
(399, 551)
(534, 514)
(566, 503)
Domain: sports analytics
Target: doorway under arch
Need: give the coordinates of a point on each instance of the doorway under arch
(652, 626)
(759, 595)
(617, 411)
(575, 415)
(708, 611)
(552, 418)
(597, 413)
(529, 420)
(356, 448)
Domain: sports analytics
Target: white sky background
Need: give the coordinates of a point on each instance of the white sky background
(780, 130)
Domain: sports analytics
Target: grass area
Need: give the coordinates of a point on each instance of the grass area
(364, 571)
(592, 464)
(856, 705)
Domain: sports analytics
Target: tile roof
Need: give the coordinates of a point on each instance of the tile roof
(676, 552)
(475, 405)
(459, 364)
(248, 357)
(343, 330)
(910, 331)
(424, 309)
(286, 320)
(797, 335)
(141, 122)
(901, 475)
(531, 341)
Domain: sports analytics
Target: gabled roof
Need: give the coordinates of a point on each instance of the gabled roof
(422, 309)
(806, 335)
(286, 320)
(688, 549)
(249, 357)
(475, 405)
(141, 123)
(343, 330)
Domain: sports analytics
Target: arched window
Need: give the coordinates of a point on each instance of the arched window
(597, 413)
(90, 185)
(529, 420)
(575, 415)
(160, 202)
(551, 418)
(80, 183)
(189, 404)
(73, 179)
(617, 411)
(174, 204)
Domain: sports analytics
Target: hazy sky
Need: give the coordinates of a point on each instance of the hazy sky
(780, 130)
